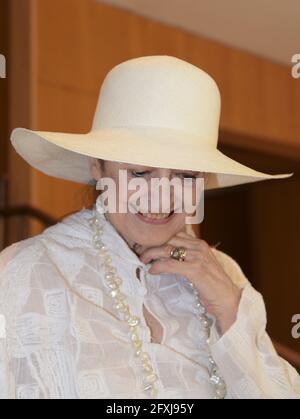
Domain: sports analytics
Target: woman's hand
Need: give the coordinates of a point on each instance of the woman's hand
(218, 294)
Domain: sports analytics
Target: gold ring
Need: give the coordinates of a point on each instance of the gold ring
(178, 253)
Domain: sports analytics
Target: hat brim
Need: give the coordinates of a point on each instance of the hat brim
(66, 155)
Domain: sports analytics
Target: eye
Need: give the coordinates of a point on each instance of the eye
(187, 175)
(138, 174)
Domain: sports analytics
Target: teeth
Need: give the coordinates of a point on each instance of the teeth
(155, 216)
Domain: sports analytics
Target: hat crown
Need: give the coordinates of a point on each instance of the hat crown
(160, 91)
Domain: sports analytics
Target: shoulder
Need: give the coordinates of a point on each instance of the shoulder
(16, 263)
(25, 270)
(48, 262)
(69, 234)
(17, 259)
(7, 254)
(23, 253)
(231, 267)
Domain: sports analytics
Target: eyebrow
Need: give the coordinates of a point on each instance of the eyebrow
(144, 168)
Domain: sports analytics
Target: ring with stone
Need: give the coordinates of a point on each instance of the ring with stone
(178, 253)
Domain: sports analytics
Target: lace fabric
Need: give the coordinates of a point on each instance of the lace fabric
(63, 339)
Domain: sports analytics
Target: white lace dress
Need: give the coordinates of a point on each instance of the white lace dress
(61, 337)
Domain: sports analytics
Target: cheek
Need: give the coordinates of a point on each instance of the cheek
(124, 225)
(195, 191)
(179, 224)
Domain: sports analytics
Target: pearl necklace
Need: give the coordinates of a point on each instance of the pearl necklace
(113, 283)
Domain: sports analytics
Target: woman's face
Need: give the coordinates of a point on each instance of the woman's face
(138, 230)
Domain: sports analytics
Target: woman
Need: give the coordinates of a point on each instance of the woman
(111, 304)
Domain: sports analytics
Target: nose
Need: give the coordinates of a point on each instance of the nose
(164, 173)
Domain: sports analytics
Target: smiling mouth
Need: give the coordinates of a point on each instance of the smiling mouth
(156, 216)
(156, 219)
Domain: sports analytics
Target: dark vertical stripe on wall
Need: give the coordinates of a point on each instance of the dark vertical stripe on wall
(4, 14)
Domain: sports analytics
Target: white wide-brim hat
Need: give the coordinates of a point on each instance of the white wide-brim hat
(157, 111)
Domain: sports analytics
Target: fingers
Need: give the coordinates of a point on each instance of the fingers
(193, 248)
(169, 266)
(164, 254)
(156, 253)
(183, 242)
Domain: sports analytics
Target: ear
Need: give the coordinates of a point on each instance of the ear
(95, 168)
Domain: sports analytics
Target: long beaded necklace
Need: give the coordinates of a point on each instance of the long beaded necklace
(113, 282)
